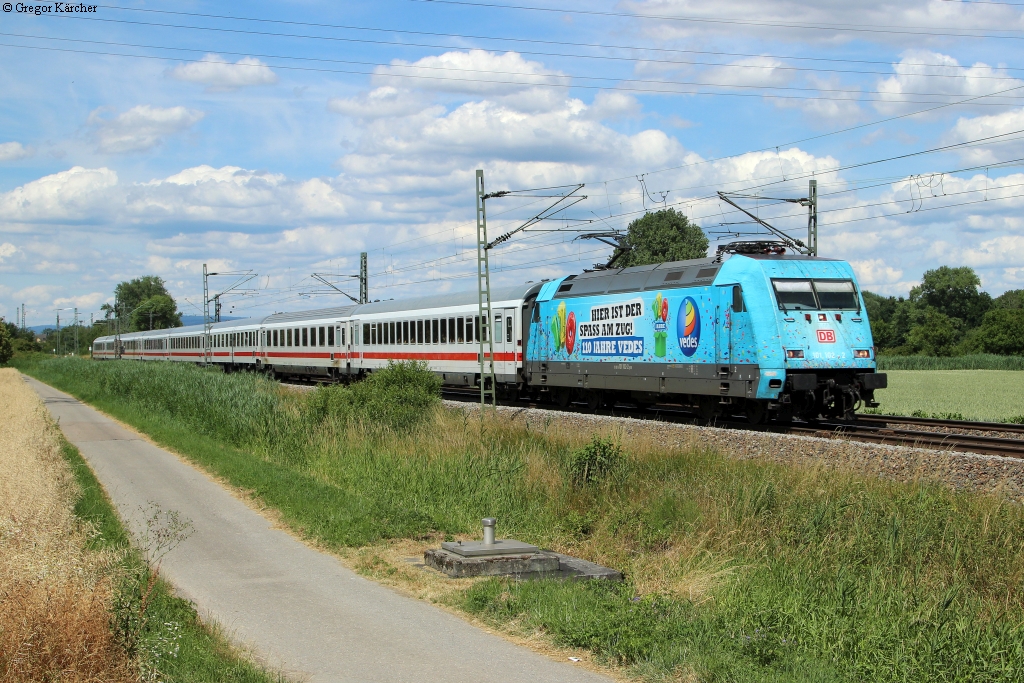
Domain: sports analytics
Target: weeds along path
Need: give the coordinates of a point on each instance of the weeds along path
(55, 593)
(300, 609)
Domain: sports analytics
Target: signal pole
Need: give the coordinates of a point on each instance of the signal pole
(364, 280)
(812, 217)
(207, 348)
(76, 330)
(483, 290)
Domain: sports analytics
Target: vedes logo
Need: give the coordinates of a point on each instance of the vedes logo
(688, 326)
(827, 336)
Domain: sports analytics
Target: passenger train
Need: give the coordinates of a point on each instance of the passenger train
(767, 335)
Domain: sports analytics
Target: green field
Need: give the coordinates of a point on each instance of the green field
(988, 395)
(736, 570)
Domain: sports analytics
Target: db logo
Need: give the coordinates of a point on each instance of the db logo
(827, 336)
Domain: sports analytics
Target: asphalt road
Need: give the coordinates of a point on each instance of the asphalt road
(299, 609)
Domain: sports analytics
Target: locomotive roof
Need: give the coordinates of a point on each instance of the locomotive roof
(640, 278)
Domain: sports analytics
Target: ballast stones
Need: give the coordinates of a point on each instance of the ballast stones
(507, 557)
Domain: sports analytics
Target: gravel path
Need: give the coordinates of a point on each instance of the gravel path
(964, 471)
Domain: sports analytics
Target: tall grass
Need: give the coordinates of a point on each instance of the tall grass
(980, 361)
(736, 570)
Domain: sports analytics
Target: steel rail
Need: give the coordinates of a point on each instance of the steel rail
(965, 443)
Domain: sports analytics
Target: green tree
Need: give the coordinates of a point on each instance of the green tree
(1012, 298)
(665, 235)
(937, 334)
(146, 294)
(156, 313)
(1001, 331)
(954, 293)
(6, 351)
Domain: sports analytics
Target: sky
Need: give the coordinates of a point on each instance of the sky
(281, 139)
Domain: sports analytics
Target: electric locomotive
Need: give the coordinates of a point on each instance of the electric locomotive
(768, 335)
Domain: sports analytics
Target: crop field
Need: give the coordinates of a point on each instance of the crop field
(735, 570)
(988, 395)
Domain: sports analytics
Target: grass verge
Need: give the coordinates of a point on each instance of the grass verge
(736, 570)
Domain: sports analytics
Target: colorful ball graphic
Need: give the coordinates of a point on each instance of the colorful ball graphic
(688, 326)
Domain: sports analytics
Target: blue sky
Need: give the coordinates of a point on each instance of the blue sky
(285, 138)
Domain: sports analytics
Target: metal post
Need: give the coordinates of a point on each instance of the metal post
(488, 523)
(76, 330)
(207, 349)
(483, 285)
(364, 280)
(58, 351)
(812, 217)
(216, 308)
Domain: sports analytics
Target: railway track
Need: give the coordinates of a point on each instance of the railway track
(868, 428)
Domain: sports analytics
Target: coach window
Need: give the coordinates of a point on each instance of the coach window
(473, 329)
(508, 329)
(322, 337)
(366, 334)
(305, 336)
(330, 336)
(435, 328)
(460, 327)
(419, 331)
(444, 331)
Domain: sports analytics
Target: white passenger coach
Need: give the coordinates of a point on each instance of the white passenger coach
(349, 341)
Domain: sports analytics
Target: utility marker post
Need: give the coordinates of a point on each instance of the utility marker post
(483, 288)
(812, 217)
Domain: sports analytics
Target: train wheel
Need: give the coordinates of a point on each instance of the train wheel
(595, 399)
(561, 396)
(708, 408)
(756, 412)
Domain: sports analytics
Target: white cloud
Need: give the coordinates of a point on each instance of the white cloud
(140, 128)
(942, 75)
(7, 250)
(778, 19)
(763, 71)
(474, 71)
(78, 194)
(12, 151)
(203, 193)
(980, 127)
(218, 74)
(382, 102)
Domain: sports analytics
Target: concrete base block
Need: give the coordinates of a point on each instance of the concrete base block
(540, 565)
(521, 564)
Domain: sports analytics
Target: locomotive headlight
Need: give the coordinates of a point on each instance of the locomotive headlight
(861, 353)
(794, 353)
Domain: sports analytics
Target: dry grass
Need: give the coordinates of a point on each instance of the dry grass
(54, 593)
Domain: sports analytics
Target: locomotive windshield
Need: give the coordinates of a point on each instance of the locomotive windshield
(837, 295)
(796, 294)
(808, 295)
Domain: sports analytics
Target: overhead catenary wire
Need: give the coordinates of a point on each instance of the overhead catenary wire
(567, 85)
(944, 31)
(599, 46)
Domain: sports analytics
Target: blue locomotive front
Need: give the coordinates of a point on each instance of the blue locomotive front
(765, 335)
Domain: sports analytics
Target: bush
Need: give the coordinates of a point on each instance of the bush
(594, 462)
(5, 344)
(396, 397)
